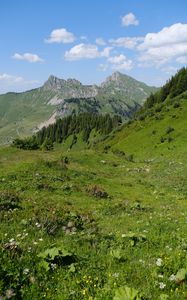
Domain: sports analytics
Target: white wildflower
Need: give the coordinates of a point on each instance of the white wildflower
(172, 277)
(159, 262)
(162, 285)
(26, 271)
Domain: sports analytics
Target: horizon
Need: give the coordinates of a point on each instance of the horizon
(90, 41)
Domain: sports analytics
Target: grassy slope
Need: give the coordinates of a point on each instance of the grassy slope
(147, 197)
(20, 113)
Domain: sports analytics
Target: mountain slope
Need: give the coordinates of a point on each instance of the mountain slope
(160, 126)
(23, 113)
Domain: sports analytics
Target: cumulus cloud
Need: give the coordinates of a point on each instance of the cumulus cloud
(82, 51)
(32, 58)
(86, 51)
(100, 42)
(126, 42)
(129, 19)
(164, 45)
(182, 60)
(61, 35)
(120, 62)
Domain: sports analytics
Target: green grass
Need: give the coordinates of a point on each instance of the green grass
(136, 237)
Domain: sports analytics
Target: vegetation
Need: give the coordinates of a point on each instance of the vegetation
(108, 222)
(72, 125)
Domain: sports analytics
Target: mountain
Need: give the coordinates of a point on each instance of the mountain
(159, 127)
(21, 114)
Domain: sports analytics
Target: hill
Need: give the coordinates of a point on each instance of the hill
(107, 222)
(21, 114)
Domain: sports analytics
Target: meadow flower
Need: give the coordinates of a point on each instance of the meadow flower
(160, 275)
(162, 285)
(172, 277)
(26, 271)
(10, 293)
(159, 262)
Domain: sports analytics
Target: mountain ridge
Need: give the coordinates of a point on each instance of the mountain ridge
(21, 114)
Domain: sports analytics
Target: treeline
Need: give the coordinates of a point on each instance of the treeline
(70, 125)
(173, 87)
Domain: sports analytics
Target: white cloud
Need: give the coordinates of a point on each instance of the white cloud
(160, 47)
(10, 78)
(86, 51)
(103, 67)
(169, 70)
(120, 62)
(61, 35)
(182, 60)
(83, 38)
(126, 42)
(129, 19)
(100, 42)
(82, 51)
(15, 83)
(32, 58)
(106, 51)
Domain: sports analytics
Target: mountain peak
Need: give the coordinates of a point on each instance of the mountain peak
(53, 82)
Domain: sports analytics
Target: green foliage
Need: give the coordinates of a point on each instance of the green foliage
(181, 275)
(26, 144)
(74, 124)
(127, 293)
(47, 145)
(55, 257)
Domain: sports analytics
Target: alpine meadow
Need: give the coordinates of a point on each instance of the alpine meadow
(93, 170)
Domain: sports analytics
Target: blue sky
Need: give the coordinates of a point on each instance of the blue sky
(89, 40)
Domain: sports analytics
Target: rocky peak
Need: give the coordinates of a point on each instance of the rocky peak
(73, 81)
(54, 83)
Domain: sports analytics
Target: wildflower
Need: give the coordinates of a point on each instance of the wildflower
(10, 293)
(172, 277)
(26, 271)
(160, 275)
(159, 262)
(84, 292)
(40, 239)
(162, 285)
(53, 266)
(116, 275)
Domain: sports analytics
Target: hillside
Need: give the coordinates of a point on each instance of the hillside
(107, 222)
(23, 113)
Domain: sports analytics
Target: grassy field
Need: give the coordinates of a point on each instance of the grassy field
(110, 223)
(103, 223)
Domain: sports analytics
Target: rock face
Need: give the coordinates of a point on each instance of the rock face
(70, 88)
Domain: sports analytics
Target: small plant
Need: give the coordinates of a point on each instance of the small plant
(54, 257)
(169, 130)
(9, 200)
(127, 293)
(97, 192)
(176, 105)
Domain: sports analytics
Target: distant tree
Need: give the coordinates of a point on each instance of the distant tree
(47, 145)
